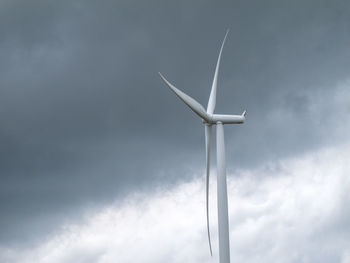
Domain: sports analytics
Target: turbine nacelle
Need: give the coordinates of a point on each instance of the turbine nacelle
(227, 119)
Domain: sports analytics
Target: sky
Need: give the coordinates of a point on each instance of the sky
(100, 162)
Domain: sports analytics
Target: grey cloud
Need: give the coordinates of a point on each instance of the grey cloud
(85, 118)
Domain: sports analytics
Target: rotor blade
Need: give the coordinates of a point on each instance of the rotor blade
(195, 106)
(212, 97)
(207, 157)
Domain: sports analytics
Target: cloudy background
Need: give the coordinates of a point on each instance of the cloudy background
(100, 162)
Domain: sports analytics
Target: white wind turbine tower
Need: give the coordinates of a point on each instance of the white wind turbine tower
(209, 119)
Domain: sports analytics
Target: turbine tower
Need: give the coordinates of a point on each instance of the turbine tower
(210, 119)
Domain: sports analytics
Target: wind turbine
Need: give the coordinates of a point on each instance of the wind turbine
(210, 119)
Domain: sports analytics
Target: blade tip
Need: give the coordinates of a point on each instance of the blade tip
(162, 77)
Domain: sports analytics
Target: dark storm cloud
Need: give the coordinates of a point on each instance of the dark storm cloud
(84, 116)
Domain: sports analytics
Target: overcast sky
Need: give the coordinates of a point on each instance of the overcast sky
(90, 135)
